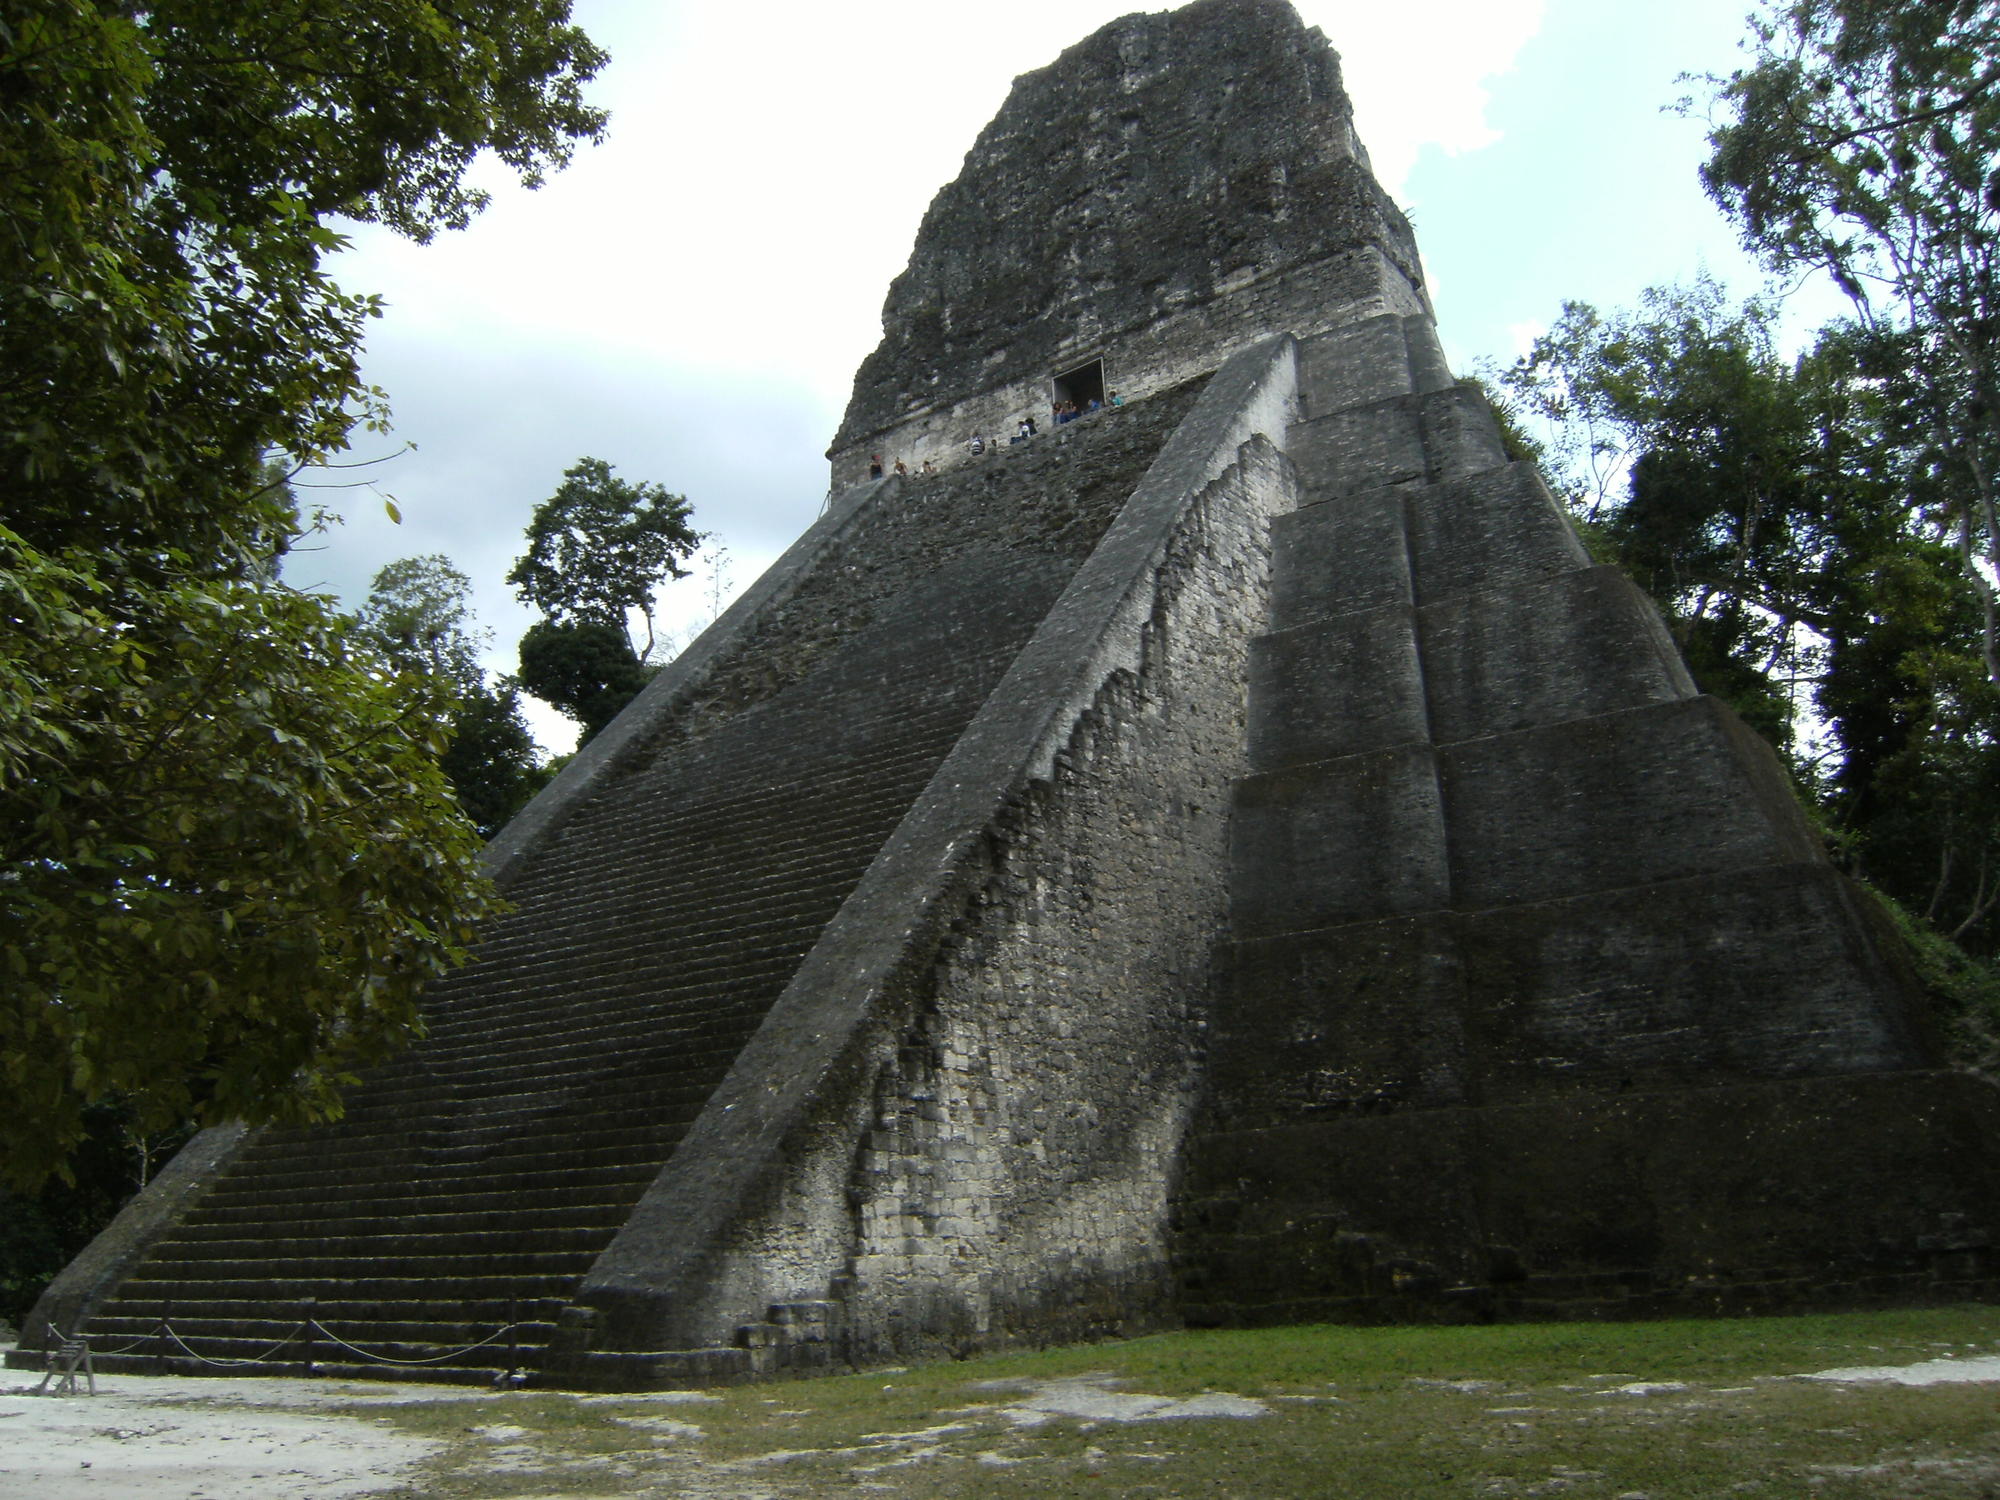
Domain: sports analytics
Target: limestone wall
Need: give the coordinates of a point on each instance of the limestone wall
(1016, 1178)
(1067, 857)
(1179, 343)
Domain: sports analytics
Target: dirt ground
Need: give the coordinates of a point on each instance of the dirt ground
(169, 1438)
(175, 1438)
(247, 1438)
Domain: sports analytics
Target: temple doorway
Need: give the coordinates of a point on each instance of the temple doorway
(1081, 386)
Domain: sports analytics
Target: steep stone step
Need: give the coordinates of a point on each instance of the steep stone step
(245, 1328)
(590, 1218)
(491, 1166)
(307, 1240)
(587, 1183)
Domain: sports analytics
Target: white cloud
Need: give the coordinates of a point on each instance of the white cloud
(1521, 337)
(1419, 73)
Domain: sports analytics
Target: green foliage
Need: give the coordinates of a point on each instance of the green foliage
(1861, 143)
(600, 547)
(1965, 990)
(419, 614)
(1765, 504)
(587, 669)
(41, 1233)
(165, 317)
(230, 862)
(493, 763)
(1691, 452)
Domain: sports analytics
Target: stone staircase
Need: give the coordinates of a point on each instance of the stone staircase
(473, 1181)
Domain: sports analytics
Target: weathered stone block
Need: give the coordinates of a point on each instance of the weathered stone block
(1320, 1209)
(1337, 687)
(1814, 1180)
(1339, 841)
(1360, 448)
(1354, 366)
(1624, 799)
(1540, 652)
(1459, 434)
(1760, 972)
(1485, 530)
(1338, 557)
(1357, 1019)
(1747, 1197)
(1428, 370)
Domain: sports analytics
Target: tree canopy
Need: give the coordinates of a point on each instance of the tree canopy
(598, 550)
(586, 670)
(1862, 142)
(231, 857)
(228, 859)
(600, 547)
(170, 172)
(419, 615)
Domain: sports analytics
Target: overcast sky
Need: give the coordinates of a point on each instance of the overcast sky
(689, 300)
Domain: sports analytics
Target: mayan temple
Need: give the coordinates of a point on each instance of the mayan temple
(1227, 858)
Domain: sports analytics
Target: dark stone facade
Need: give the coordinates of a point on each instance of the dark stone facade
(1229, 859)
(1172, 189)
(1542, 1000)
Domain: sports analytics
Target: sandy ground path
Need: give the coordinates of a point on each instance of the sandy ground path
(254, 1438)
(175, 1438)
(179, 1438)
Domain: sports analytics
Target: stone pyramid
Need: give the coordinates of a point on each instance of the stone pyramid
(1229, 857)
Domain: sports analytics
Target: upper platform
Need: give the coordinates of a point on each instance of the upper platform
(1165, 193)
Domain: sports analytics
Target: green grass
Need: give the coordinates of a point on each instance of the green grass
(1355, 1412)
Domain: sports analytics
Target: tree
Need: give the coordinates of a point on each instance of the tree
(230, 860)
(598, 550)
(601, 546)
(585, 669)
(1690, 452)
(1762, 503)
(419, 615)
(1862, 143)
(169, 171)
(493, 763)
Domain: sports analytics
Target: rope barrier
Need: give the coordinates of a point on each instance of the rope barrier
(313, 1326)
(144, 1338)
(226, 1364)
(434, 1359)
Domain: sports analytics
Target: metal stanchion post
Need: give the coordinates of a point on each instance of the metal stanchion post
(311, 1328)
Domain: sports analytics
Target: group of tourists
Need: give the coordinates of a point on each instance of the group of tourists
(1063, 411)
